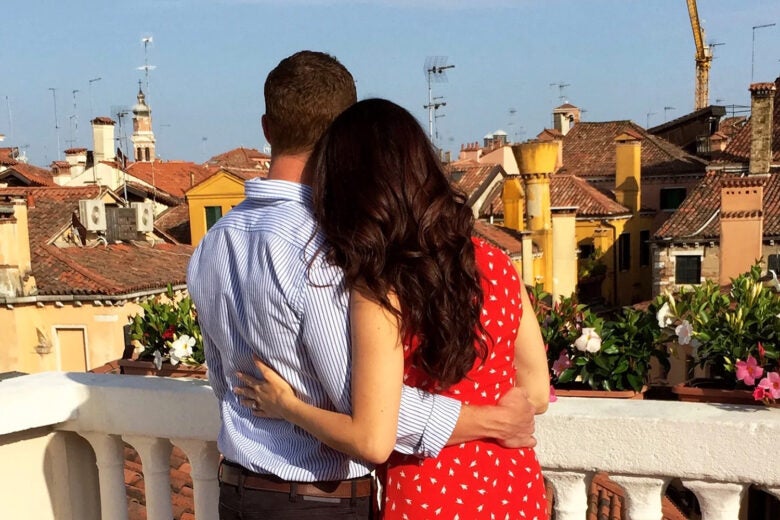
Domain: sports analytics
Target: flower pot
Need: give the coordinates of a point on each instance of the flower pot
(147, 368)
(704, 390)
(610, 394)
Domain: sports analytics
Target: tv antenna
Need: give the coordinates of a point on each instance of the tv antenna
(74, 119)
(147, 41)
(119, 112)
(666, 111)
(561, 86)
(91, 111)
(56, 123)
(435, 72)
(647, 125)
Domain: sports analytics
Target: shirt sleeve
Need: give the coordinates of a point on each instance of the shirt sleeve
(425, 422)
(197, 286)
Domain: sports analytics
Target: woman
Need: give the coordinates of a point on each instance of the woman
(430, 307)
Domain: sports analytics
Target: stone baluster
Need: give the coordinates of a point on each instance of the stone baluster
(717, 500)
(204, 460)
(155, 456)
(110, 460)
(571, 493)
(644, 495)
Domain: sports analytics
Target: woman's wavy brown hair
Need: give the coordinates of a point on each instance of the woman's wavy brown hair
(395, 225)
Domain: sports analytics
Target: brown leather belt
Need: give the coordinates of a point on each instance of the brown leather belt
(239, 477)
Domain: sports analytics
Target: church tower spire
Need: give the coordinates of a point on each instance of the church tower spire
(143, 136)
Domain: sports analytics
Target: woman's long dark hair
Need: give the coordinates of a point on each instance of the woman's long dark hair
(394, 224)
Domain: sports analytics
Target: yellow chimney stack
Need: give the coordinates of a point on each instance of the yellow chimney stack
(628, 170)
(513, 197)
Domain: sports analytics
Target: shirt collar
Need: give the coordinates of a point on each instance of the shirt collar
(272, 189)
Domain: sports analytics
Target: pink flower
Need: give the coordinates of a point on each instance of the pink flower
(562, 363)
(553, 397)
(748, 371)
(771, 385)
(759, 394)
(761, 351)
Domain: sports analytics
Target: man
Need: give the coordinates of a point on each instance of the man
(261, 288)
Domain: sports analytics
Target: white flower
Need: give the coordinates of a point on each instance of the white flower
(181, 348)
(684, 332)
(664, 316)
(589, 341)
(158, 359)
(138, 347)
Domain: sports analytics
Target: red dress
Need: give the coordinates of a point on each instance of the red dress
(478, 479)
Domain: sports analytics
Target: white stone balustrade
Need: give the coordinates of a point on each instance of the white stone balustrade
(61, 456)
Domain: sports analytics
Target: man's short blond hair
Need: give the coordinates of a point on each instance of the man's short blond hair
(303, 95)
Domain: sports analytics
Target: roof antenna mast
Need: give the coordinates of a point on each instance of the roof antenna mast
(147, 41)
(435, 72)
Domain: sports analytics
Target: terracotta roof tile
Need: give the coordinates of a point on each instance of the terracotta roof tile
(738, 150)
(568, 190)
(103, 270)
(241, 159)
(172, 177)
(698, 217)
(589, 151)
(9, 153)
(469, 175)
(508, 240)
(175, 222)
(150, 193)
(32, 175)
(111, 270)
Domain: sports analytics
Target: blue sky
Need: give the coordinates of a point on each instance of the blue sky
(622, 59)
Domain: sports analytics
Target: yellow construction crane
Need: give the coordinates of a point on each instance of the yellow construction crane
(703, 58)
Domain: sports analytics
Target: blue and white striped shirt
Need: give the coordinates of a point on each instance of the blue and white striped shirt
(259, 289)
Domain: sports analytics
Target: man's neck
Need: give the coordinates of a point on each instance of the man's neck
(289, 168)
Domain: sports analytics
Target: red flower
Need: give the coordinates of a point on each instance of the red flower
(168, 334)
(759, 394)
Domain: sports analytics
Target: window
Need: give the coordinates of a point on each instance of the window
(773, 263)
(213, 213)
(624, 252)
(687, 269)
(671, 198)
(644, 248)
(146, 154)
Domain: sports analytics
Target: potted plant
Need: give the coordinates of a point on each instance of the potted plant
(734, 336)
(166, 338)
(586, 352)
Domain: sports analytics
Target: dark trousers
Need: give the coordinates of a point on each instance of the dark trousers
(237, 503)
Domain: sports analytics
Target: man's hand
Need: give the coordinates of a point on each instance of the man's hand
(516, 414)
(510, 422)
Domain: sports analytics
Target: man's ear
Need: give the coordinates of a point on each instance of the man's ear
(266, 131)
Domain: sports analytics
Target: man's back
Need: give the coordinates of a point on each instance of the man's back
(260, 288)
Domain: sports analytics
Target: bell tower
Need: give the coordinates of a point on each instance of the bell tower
(143, 136)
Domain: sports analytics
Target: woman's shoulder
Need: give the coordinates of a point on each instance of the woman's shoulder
(485, 252)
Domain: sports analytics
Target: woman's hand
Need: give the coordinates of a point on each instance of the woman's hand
(271, 397)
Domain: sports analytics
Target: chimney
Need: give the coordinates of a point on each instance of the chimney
(565, 117)
(762, 97)
(103, 135)
(741, 225)
(77, 158)
(15, 263)
(628, 170)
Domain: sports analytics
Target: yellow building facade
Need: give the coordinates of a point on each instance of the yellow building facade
(558, 233)
(211, 199)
